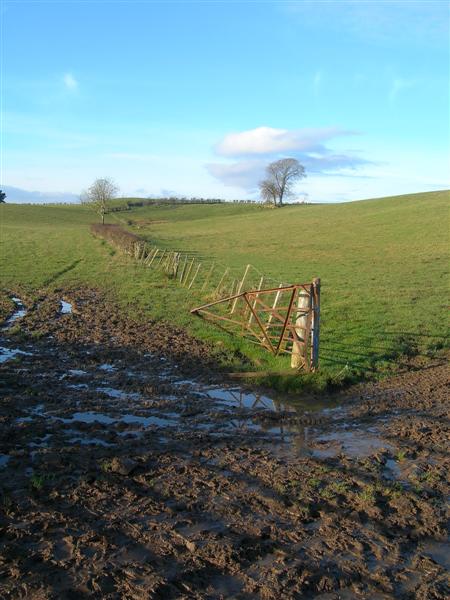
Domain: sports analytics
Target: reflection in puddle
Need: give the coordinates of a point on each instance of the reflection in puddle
(236, 398)
(196, 406)
(66, 307)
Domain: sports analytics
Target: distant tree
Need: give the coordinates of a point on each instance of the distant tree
(2, 197)
(99, 195)
(268, 191)
(281, 175)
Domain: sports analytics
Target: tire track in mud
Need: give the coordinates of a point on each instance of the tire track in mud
(198, 495)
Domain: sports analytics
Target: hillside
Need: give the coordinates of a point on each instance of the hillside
(383, 265)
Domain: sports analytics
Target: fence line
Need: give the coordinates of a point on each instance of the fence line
(209, 278)
(212, 281)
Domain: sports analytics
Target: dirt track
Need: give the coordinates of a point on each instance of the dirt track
(122, 477)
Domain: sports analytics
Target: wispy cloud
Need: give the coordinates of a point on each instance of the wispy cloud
(426, 23)
(398, 85)
(70, 82)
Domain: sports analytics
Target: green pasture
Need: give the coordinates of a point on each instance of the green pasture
(383, 264)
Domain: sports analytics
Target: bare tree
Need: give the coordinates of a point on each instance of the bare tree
(268, 191)
(99, 194)
(281, 175)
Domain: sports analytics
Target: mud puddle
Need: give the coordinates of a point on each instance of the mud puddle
(11, 353)
(66, 307)
(20, 312)
(124, 475)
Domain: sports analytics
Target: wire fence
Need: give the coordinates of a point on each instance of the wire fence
(211, 279)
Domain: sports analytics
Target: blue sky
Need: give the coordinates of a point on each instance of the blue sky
(196, 98)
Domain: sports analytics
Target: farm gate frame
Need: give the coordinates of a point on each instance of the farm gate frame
(283, 320)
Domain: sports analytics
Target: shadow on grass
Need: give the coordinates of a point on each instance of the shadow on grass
(58, 274)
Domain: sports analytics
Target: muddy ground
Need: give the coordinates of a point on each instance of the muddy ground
(128, 471)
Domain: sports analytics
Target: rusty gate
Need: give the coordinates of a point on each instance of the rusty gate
(284, 320)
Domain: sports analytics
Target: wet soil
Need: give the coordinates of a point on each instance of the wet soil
(129, 470)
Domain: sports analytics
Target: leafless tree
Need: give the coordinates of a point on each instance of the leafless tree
(99, 194)
(281, 175)
(268, 191)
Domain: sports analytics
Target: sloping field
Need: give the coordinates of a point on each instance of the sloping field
(383, 265)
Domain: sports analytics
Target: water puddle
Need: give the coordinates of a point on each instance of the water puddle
(10, 353)
(146, 421)
(127, 419)
(439, 552)
(118, 394)
(88, 417)
(20, 312)
(41, 442)
(236, 398)
(88, 441)
(392, 469)
(4, 460)
(78, 386)
(107, 367)
(66, 307)
(352, 444)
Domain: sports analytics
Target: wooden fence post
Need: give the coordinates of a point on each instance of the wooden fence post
(315, 325)
(274, 305)
(154, 256)
(239, 289)
(221, 281)
(188, 271)
(161, 259)
(208, 277)
(149, 256)
(176, 265)
(250, 319)
(195, 275)
(183, 269)
(302, 319)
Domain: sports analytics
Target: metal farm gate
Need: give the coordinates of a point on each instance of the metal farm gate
(284, 320)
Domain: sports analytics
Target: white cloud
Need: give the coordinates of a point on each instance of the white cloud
(244, 174)
(70, 82)
(268, 140)
(257, 147)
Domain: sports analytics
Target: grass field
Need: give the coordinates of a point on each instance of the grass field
(383, 265)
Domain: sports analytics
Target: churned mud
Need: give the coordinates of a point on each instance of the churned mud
(127, 470)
